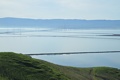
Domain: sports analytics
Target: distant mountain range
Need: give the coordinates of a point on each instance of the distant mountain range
(60, 23)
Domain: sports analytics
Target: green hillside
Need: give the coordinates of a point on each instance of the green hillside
(22, 67)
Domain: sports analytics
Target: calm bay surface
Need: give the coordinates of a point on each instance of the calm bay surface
(37, 40)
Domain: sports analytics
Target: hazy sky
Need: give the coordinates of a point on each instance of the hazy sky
(66, 9)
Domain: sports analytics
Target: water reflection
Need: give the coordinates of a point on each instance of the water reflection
(84, 60)
(31, 40)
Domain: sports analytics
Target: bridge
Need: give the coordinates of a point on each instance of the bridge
(68, 53)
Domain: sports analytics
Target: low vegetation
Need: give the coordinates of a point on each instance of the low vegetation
(22, 67)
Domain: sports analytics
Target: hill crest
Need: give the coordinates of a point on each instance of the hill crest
(22, 67)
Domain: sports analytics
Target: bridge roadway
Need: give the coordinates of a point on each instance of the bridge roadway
(73, 53)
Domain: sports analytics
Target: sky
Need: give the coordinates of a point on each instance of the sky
(61, 9)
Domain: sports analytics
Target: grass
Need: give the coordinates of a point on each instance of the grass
(22, 67)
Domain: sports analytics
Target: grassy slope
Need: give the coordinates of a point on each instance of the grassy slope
(20, 67)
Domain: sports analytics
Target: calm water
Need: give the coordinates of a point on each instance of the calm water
(35, 40)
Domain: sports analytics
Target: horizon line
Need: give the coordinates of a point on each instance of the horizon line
(58, 18)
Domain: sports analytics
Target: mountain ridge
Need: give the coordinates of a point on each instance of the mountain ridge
(60, 23)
